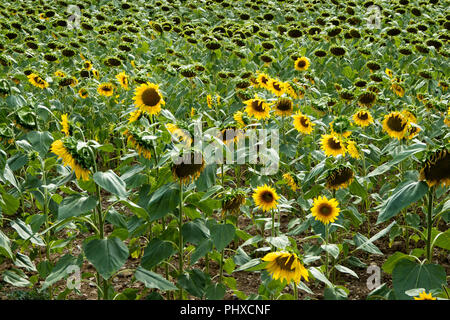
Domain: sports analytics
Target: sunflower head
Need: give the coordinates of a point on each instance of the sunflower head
(325, 210)
(302, 123)
(395, 124)
(332, 145)
(263, 80)
(276, 87)
(291, 181)
(265, 198)
(257, 108)
(367, 99)
(302, 64)
(65, 125)
(122, 78)
(242, 120)
(340, 126)
(425, 296)
(436, 168)
(190, 167)
(79, 159)
(339, 177)
(148, 98)
(139, 141)
(352, 149)
(284, 107)
(37, 81)
(285, 266)
(233, 201)
(105, 89)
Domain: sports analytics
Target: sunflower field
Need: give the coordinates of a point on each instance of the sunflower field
(111, 112)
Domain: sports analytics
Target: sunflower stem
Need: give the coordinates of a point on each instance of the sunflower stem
(429, 223)
(326, 251)
(180, 244)
(295, 291)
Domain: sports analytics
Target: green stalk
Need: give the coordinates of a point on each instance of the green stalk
(180, 244)
(326, 251)
(429, 223)
(295, 291)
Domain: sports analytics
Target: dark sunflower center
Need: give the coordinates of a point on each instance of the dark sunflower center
(340, 177)
(267, 196)
(150, 97)
(325, 209)
(264, 80)
(257, 105)
(285, 263)
(363, 116)
(38, 80)
(395, 123)
(107, 89)
(334, 144)
(301, 64)
(304, 122)
(185, 170)
(276, 86)
(284, 105)
(437, 168)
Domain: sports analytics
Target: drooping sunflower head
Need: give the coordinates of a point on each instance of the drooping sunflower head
(257, 108)
(105, 89)
(180, 133)
(325, 210)
(302, 123)
(409, 115)
(363, 118)
(37, 81)
(80, 161)
(233, 201)
(302, 64)
(285, 266)
(352, 149)
(65, 125)
(367, 99)
(242, 120)
(397, 88)
(139, 141)
(190, 168)
(425, 296)
(413, 131)
(340, 126)
(284, 107)
(395, 124)
(276, 87)
(436, 168)
(231, 134)
(122, 78)
(291, 181)
(148, 98)
(135, 116)
(265, 197)
(339, 177)
(294, 90)
(332, 145)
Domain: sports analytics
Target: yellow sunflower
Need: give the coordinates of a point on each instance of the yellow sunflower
(179, 134)
(302, 123)
(395, 124)
(62, 152)
(122, 78)
(83, 93)
(87, 65)
(332, 145)
(290, 181)
(257, 108)
(389, 72)
(209, 101)
(265, 198)
(285, 266)
(339, 178)
(135, 116)
(325, 210)
(276, 87)
(436, 168)
(148, 98)
(362, 118)
(37, 81)
(140, 146)
(352, 149)
(59, 74)
(65, 126)
(302, 64)
(263, 80)
(284, 107)
(105, 89)
(189, 172)
(424, 296)
(398, 89)
(241, 119)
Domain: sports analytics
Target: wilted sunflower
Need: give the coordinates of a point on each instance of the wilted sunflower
(105, 89)
(122, 78)
(37, 81)
(265, 198)
(232, 202)
(363, 118)
(339, 177)
(302, 64)
(409, 116)
(367, 99)
(138, 142)
(276, 87)
(352, 149)
(284, 107)
(83, 93)
(190, 169)
(325, 210)
(332, 145)
(424, 296)
(285, 266)
(436, 168)
(148, 98)
(257, 108)
(302, 123)
(290, 181)
(340, 127)
(66, 150)
(65, 125)
(395, 124)
(263, 80)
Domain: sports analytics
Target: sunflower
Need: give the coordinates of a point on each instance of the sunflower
(302, 64)
(302, 123)
(285, 266)
(122, 78)
(263, 80)
(233, 202)
(398, 89)
(395, 124)
(179, 134)
(137, 141)
(424, 296)
(413, 130)
(148, 98)
(37, 81)
(241, 119)
(409, 115)
(189, 171)
(332, 145)
(325, 210)
(231, 134)
(352, 149)
(363, 118)
(83, 93)
(59, 74)
(367, 99)
(389, 72)
(257, 108)
(290, 181)
(284, 107)
(436, 168)
(105, 89)
(65, 125)
(276, 87)
(135, 116)
(209, 101)
(339, 177)
(66, 150)
(265, 198)
(339, 127)
(87, 65)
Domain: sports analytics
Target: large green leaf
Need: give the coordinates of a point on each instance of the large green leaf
(5, 248)
(106, 255)
(391, 262)
(60, 270)
(402, 198)
(164, 201)
(111, 182)
(207, 178)
(25, 232)
(153, 280)
(16, 277)
(75, 205)
(195, 231)
(201, 250)
(40, 141)
(195, 282)
(409, 275)
(221, 235)
(155, 252)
